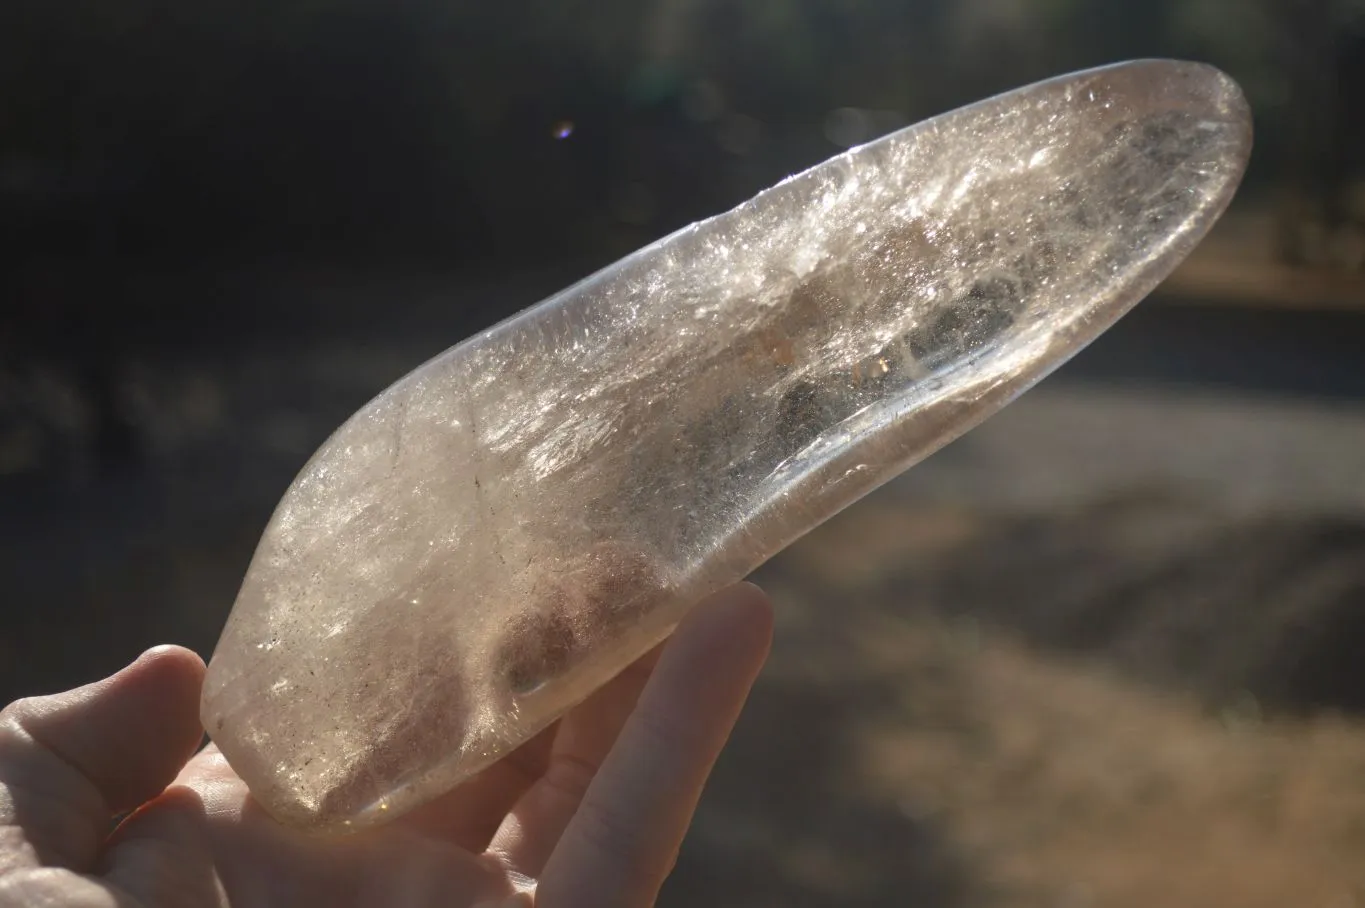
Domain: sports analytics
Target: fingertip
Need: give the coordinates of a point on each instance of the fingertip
(164, 652)
(755, 604)
(744, 596)
(130, 733)
(170, 668)
(741, 614)
(172, 677)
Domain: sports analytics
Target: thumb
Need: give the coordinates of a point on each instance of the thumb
(70, 761)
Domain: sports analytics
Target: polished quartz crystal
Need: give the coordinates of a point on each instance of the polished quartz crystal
(503, 530)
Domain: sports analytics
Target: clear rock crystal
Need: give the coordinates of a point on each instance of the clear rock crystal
(503, 530)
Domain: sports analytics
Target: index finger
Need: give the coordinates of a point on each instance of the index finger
(620, 845)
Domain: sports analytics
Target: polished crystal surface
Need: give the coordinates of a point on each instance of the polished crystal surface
(503, 530)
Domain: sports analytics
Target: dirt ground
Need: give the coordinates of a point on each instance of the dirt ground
(1102, 651)
(1144, 691)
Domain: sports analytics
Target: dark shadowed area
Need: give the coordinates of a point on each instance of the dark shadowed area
(1103, 651)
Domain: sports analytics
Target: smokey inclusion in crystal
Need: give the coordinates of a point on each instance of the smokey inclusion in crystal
(499, 533)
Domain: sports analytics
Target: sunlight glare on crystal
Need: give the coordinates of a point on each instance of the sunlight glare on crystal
(501, 532)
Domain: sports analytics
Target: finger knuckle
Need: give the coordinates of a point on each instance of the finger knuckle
(17, 711)
(12, 732)
(606, 829)
(662, 732)
(569, 777)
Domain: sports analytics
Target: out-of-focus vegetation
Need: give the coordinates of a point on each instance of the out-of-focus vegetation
(1100, 651)
(167, 170)
(422, 131)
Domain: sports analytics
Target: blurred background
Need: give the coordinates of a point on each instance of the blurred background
(1102, 651)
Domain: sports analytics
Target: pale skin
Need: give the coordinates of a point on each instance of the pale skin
(590, 813)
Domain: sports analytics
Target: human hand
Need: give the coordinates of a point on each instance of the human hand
(590, 813)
